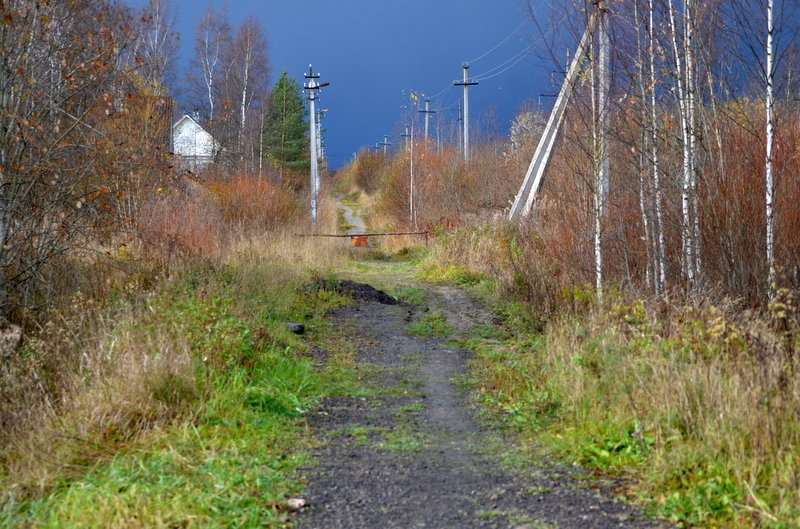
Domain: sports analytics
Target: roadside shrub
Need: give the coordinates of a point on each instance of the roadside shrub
(253, 203)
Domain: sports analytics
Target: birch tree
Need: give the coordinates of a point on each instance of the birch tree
(602, 132)
(654, 131)
(246, 81)
(685, 95)
(213, 35)
(157, 45)
(770, 132)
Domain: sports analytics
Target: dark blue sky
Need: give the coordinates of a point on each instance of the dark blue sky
(374, 52)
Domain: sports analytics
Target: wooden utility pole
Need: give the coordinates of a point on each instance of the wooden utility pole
(427, 113)
(466, 83)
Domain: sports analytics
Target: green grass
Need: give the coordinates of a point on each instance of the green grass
(613, 395)
(404, 440)
(361, 434)
(432, 324)
(228, 457)
(412, 295)
(234, 468)
(455, 274)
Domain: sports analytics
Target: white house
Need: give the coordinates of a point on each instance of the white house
(195, 147)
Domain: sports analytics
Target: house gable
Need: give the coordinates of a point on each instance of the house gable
(190, 140)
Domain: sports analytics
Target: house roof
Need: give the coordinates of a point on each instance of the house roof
(184, 118)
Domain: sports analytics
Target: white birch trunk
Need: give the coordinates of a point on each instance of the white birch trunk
(692, 132)
(651, 267)
(770, 184)
(243, 109)
(659, 221)
(604, 74)
(209, 69)
(601, 83)
(687, 242)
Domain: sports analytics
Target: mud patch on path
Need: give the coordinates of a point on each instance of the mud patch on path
(357, 291)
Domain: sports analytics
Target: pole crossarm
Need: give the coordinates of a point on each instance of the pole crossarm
(406, 135)
(523, 201)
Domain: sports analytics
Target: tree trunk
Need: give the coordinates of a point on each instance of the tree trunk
(659, 221)
(770, 184)
(687, 231)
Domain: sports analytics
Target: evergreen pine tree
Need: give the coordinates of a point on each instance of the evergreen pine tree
(286, 145)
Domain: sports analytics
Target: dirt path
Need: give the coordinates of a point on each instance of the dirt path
(406, 450)
(350, 217)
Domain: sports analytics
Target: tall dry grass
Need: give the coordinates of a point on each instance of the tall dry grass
(698, 399)
(701, 401)
(120, 358)
(447, 193)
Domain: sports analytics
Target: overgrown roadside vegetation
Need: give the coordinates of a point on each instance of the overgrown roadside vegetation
(695, 404)
(167, 390)
(185, 404)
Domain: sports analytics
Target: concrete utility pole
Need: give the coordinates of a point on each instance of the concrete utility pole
(427, 113)
(406, 136)
(312, 86)
(459, 122)
(320, 143)
(466, 83)
(385, 143)
(412, 212)
(526, 196)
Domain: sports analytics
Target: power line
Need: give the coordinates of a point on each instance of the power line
(514, 60)
(442, 91)
(500, 43)
(504, 70)
(504, 63)
(451, 105)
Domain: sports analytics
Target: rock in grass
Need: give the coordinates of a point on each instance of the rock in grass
(297, 328)
(295, 504)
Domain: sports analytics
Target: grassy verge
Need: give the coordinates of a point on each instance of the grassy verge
(189, 411)
(697, 405)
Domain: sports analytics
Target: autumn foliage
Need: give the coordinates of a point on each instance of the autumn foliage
(254, 202)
